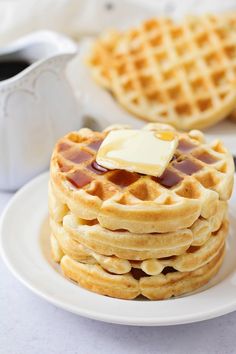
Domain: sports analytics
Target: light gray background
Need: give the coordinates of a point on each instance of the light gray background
(30, 325)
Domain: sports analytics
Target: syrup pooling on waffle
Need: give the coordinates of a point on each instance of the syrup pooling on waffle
(196, 178)
(188, 160)
(72, 154)
(182, 74)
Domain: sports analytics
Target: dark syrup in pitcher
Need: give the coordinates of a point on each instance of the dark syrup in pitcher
(10, 68)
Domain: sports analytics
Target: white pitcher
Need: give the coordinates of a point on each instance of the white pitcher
(37, 104)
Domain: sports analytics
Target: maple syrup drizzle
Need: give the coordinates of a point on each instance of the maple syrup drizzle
(124, 178)
(173, 158)
(95, 145)
(167, 270)
(206, 157)
(168, 179)
(193, 249)
(185, 146)
(77, 156)
(187, 166)
(138, 273)
(79, 179)
(96, 168)
(63, 167)
(63, 147)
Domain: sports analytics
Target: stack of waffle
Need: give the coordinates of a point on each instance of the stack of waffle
(125, 234)
(178, 73)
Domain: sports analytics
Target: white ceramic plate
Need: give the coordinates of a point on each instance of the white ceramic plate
(25, 249)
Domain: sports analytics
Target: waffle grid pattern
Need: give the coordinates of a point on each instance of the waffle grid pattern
(153, 278)
(197, 177)
(190, 158)
(183, 74)
(102, 229)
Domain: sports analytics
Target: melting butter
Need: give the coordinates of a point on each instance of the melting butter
(141, 151)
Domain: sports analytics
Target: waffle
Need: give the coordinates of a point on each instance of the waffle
(189, 259)
(128, 286)
(183, 74)
(199, 176)
(231, 20)
(154, 278)
(177, 283)
(100, 58)
(56, 250)
(124, 244)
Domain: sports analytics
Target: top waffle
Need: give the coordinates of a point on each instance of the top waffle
(183, 74)
(195, 180)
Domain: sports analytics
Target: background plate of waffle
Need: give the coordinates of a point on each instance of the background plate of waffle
(25, 249)
(105, 110)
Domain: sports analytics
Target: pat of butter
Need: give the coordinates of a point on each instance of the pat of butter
(142, 151)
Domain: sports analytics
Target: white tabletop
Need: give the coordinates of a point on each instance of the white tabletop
(30, 325)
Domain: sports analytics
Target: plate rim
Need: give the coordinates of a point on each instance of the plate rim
(96, 315)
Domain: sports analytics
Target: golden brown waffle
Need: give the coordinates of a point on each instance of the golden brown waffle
(130, 246)
(124, 244)
(135, 246)
(56, 250)
(196, 179)
(128, 286)
(183, 74)
(231, 20)
(177, 283)
(190, 259)
(100, 59)
(117, 277)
